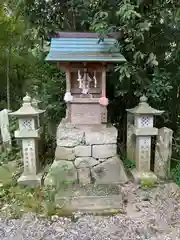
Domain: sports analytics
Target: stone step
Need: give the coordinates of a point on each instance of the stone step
(90, 198)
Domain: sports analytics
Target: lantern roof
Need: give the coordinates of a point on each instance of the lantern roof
(144, 108)
(86, 47)
(27, 109)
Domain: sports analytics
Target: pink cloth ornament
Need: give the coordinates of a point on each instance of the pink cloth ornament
(103, 100)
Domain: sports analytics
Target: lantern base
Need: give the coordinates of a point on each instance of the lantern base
(143, 177)
(31, 180)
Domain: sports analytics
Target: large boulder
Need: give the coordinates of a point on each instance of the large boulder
(110, 171)
(60, 172)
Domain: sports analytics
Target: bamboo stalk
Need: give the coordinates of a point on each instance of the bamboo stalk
(7, 78)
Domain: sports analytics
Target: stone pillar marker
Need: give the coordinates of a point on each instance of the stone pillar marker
(5, 135)
(163, 152)
(130, 138)
(29, 131)
(143, 130)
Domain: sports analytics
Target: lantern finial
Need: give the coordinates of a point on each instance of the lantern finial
(27, 98)
(143, 99)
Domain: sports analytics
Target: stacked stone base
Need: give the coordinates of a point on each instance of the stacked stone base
(86, 155)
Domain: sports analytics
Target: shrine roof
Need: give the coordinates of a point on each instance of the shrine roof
(75, 47)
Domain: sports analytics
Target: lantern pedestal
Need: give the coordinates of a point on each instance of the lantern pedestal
(31, 180)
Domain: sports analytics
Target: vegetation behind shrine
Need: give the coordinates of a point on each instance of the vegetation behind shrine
(149, 34)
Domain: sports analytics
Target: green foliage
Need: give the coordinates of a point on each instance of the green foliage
(8, 156)
(175, 173)
(59, 177)
(16, 200)
(129, 164)
(150, 44)
(49, 85)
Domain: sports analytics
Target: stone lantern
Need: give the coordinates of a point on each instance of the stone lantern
(143, 129)
(29, 132)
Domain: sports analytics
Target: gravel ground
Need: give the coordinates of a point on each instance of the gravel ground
(153, 215)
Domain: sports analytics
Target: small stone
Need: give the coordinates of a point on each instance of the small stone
(104, 151)
(83, 151)
(84, 176)
(172, 188)
(59, 229)
(83, 162)
(54, 218)
(111, 171)
(64, 153)
(102, 160)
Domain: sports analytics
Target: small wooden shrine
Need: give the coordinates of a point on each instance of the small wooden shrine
(86, 151)
(85, 60)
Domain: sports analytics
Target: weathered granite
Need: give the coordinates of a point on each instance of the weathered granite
(68, 135)
(91, 198)
(163, 153)
(83, 151)
(31, 181)
(64, 153)
(61, 171)
(130, 138)
(82, 162)
(100, 135)
(104, 151)
(87, 151)
(110, 171)
(84, 175)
